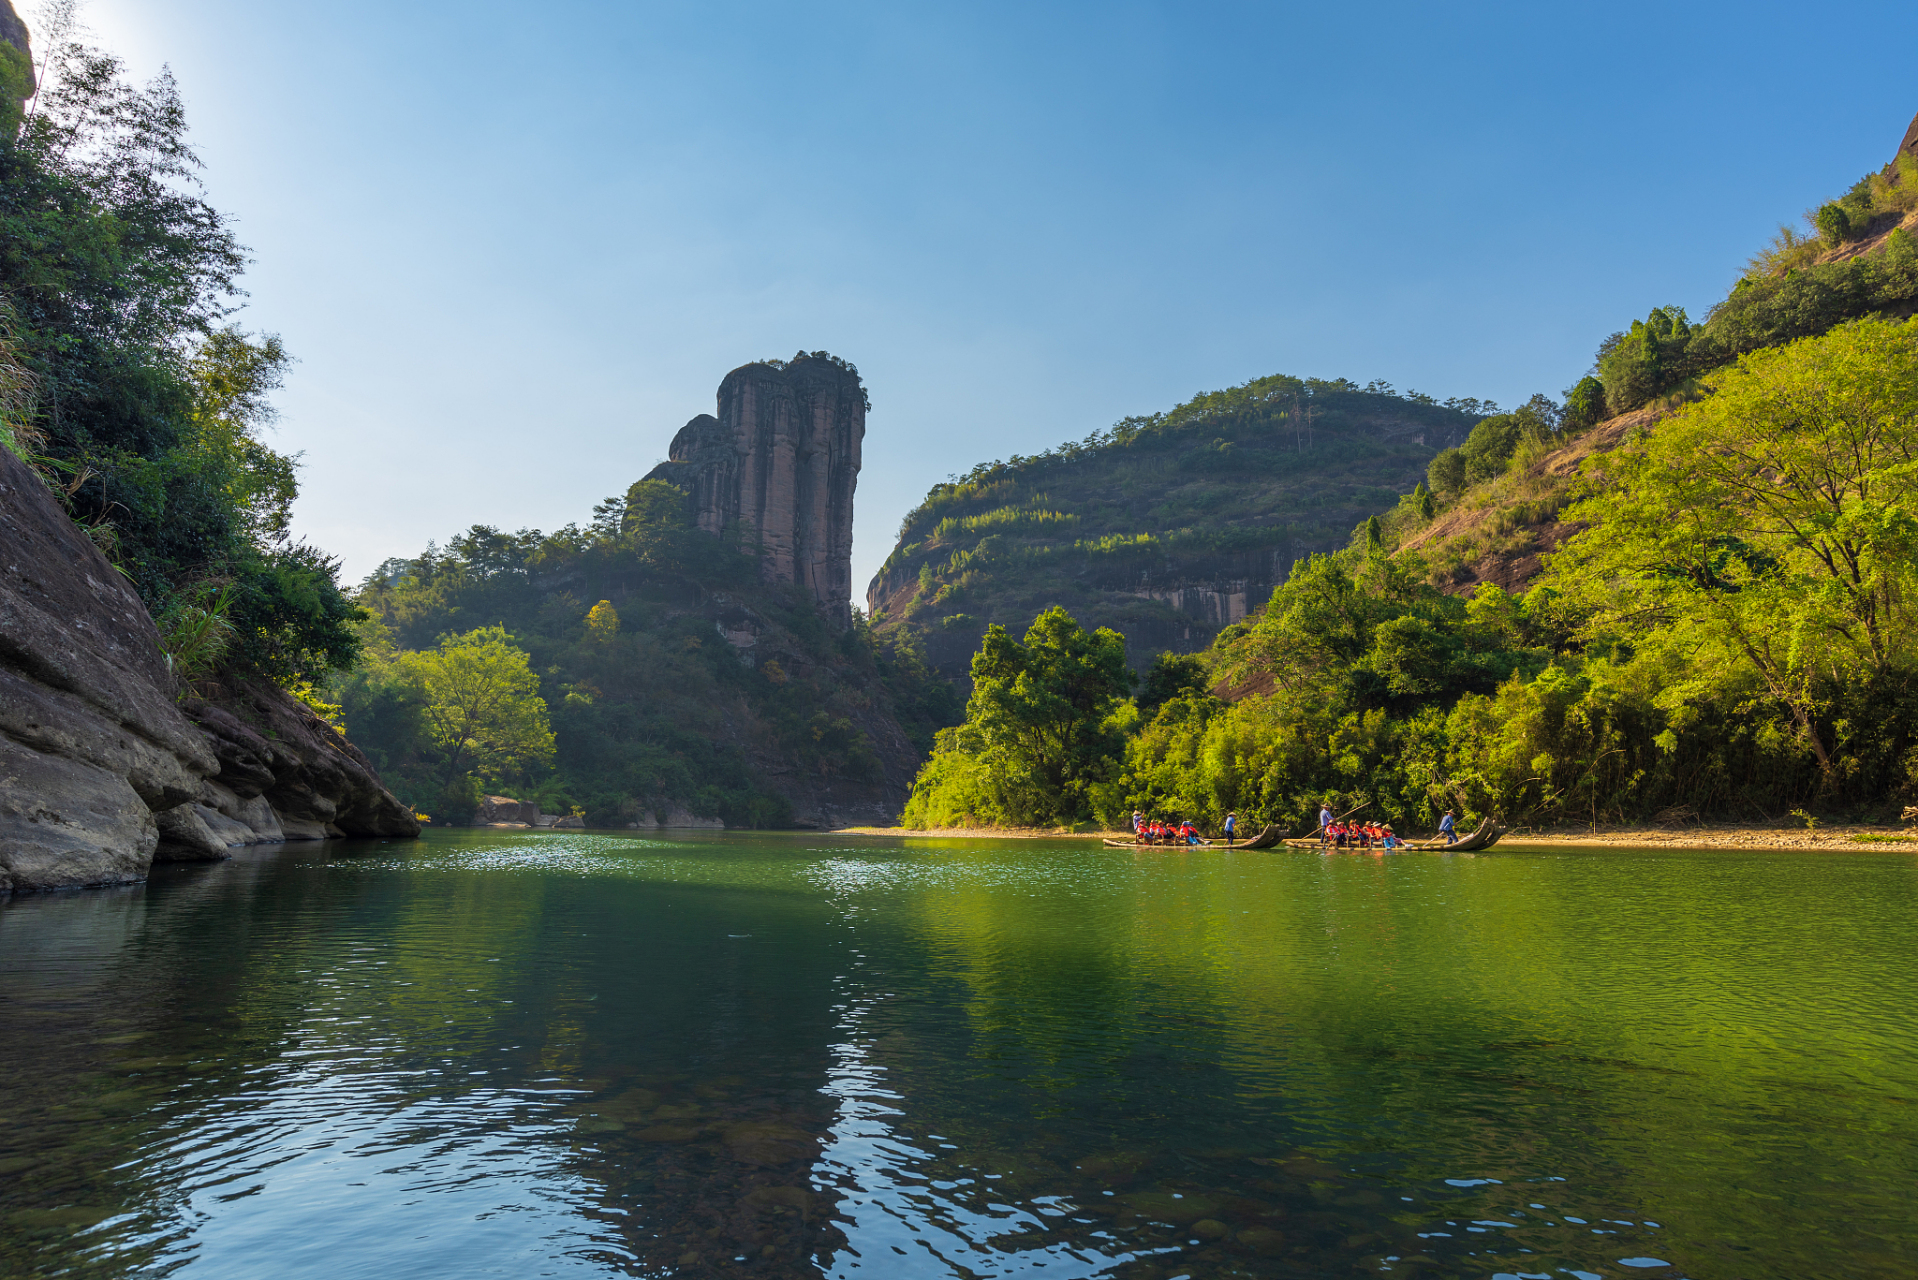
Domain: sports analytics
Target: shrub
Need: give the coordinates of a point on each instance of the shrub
(1833, 223)
(1447, 473)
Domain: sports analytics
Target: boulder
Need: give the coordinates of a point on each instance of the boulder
(676, 816)
(504, 811)
(253, 814)
(91, 742)
(569, 823)
(185, 836)
(65, 822)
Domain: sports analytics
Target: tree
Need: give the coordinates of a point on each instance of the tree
(119, 277)
(1447, 473)
(481, 703)
(1772, 529)
(1422, 502)
(1036, 738)
(602, 622)
(1170, 675)
(1584, 404)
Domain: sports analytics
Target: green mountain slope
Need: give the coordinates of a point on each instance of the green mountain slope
(1856, 258)
(1167, 527)
(1691, 591)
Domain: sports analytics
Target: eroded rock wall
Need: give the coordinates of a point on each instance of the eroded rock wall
(780, 462)
(284, 774)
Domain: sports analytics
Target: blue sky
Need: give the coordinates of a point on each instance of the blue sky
(515, 247)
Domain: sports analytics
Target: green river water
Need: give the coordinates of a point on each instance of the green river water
(567, 1054)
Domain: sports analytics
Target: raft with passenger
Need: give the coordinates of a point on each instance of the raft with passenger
(1483, 837)
(1264, 840)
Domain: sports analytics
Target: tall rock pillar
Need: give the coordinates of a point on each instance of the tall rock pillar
(781, 461)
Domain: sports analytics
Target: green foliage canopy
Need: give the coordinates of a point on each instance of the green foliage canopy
(1772, 528)
(480, 703)
(649, 705)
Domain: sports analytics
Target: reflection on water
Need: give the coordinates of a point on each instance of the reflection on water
(560, 1054)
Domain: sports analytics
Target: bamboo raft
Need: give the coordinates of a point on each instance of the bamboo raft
(1484, 837)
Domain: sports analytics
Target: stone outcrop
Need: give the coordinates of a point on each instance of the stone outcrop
(779, 463)
(100, 770)
(679, 818)
(16, 68)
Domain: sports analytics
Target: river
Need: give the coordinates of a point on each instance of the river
(583, 1054)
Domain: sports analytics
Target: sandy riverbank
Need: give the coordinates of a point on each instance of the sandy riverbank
(1712, 836)
(1727, 835)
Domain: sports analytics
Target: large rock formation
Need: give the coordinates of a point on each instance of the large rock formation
(780, 463)
(91, 743)
(100, 770)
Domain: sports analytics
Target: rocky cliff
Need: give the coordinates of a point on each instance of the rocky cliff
(779, 464)
(100, 770)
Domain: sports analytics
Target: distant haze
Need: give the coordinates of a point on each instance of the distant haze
(516, 247)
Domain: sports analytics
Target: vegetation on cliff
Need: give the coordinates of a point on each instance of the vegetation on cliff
(1217, 495)
(124, 385)
(668, 673)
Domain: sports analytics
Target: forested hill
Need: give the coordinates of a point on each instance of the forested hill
(642, 666)
(1167, 527)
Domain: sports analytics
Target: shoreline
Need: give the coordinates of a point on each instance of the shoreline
(1726, 835)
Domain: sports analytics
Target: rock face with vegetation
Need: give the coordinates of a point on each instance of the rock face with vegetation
(778, 466)
(1166, 528)
(1499, 498)
(91, 743)
(285, 774)
(100, 771)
